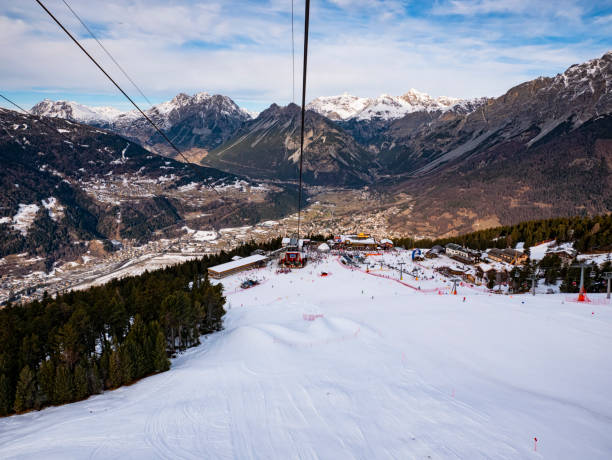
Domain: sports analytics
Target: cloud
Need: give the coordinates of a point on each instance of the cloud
(463, 48)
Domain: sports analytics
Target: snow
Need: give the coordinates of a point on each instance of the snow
(538, 252)
(598, 259)
(201, 235)
(353, 365)
(323, 247)
(26, 214)
(55, 210)
(385, 106)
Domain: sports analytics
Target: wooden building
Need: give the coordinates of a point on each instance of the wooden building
(236, 266)
(509, 256)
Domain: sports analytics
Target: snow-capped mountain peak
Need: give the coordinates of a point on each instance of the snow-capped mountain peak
(385, 106)
(74, 111)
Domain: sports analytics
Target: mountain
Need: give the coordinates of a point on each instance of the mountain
(74, 111)
(543, 149)
(194, 123)
(268, 148)
(63, 184)
(369, 119)
(526, 114)
(384, 107)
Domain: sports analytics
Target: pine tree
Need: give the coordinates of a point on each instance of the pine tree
(24, 396)
(114, 373)
(5, 395)
(94, 380)
(81, 389)
(64, 391)
(127, 367)
(161, 361)
(46, 380)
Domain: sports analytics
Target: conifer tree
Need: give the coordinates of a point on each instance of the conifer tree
(24, 396)
(94, 380)
(46, 380)
(81, 390)
(5, 395)
(127, 367)
(161, 361)
(115, 375)
(64, 391)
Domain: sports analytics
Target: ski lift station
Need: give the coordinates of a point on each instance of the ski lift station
(235, 266)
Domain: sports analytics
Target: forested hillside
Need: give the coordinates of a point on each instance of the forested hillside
(588, 234)
(81, 343)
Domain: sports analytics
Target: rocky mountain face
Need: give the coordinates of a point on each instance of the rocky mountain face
(543, 149)
(268, 147)
(63, 184)
(526, 114)
(195, 123)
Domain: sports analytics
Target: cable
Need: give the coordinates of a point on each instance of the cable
(123, 92)
(292, 58)
(49, 125)
(15, 104)
(306, 18)
(107, 52)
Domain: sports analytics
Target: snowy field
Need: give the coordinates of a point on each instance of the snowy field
(353, 365)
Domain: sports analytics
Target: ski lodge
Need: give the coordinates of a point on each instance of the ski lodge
(462, 254)
(235, 266)
(360, 241)
(509, 256)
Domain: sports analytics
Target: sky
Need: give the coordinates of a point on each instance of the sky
(243, 49)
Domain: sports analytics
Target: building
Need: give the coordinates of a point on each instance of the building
(236, 266)
(509, 256)
(462, 254)
(360, 241)
(567, 256)
(434, 252)
(386, 243)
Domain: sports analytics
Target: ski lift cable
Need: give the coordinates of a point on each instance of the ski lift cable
(292, 58)
(125, 94)
(306, 19)
(107, 52)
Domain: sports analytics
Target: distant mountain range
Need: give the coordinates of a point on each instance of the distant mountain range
(415, 144)
(201, 121)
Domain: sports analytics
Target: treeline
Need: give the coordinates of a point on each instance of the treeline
(549, 271)
(587, 233)
(64, 349)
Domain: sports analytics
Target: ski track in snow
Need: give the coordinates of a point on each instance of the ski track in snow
(403, 375)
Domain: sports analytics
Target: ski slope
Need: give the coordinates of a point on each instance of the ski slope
(353, 365)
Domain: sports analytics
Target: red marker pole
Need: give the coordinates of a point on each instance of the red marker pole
(535, 444)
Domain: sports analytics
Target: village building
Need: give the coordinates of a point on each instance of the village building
(462, 254)
(435, 251)
(386, 243)
(236, 266)
(509, 256)
(361, 241)
(567, 256)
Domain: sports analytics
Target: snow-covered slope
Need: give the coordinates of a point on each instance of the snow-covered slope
(353, 365)
(385, 107)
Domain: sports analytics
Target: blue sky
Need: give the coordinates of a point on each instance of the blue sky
(242, 49)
